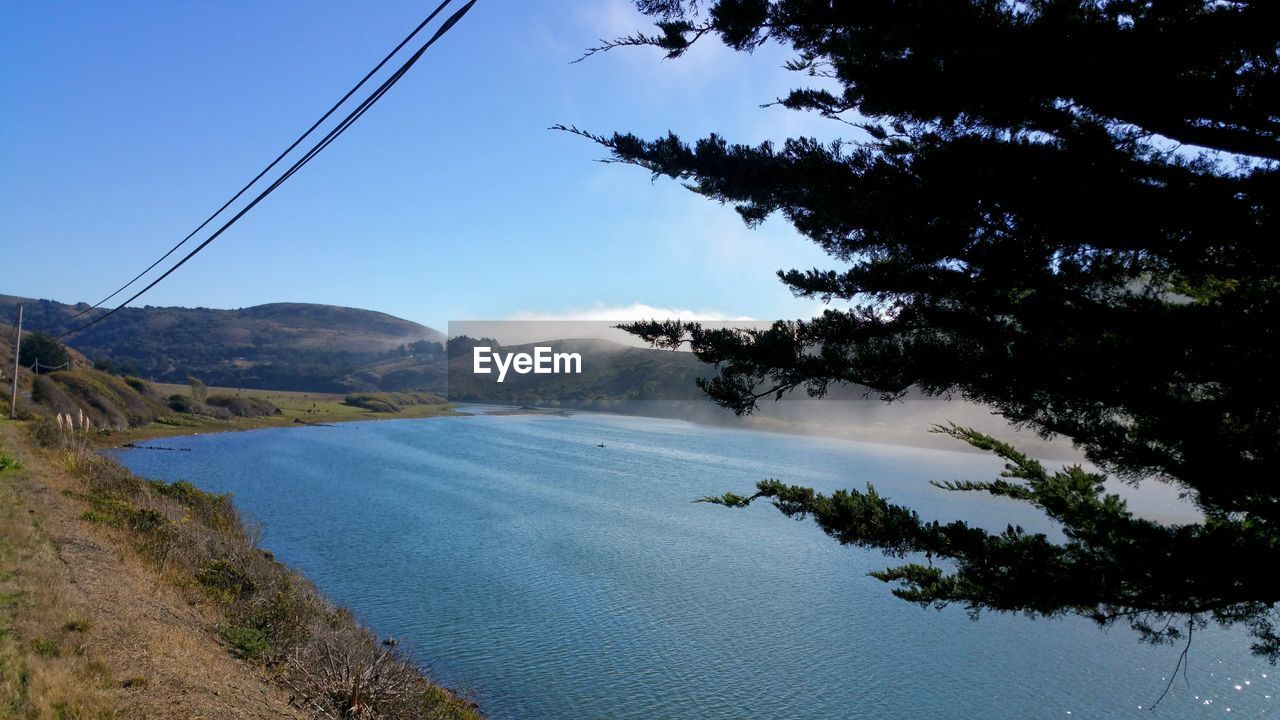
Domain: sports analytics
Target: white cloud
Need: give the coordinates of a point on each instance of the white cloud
(634, 311)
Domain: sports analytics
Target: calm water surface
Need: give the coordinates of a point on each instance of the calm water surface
(558, 579)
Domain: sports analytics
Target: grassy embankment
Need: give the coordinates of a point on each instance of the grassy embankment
(296, 408)
(47, 667)
(125, 597)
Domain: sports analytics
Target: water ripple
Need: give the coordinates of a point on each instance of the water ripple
(558, 579)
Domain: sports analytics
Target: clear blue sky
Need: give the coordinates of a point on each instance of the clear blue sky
(123, 124)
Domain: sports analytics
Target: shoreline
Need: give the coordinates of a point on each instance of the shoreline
(297, 409)
(145, 610)
(301, 408)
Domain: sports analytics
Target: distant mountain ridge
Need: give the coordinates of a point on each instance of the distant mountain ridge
(326, 348)
(286, 346)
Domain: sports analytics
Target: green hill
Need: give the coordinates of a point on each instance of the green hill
(284, 346)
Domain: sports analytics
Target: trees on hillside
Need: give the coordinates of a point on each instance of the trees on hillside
(44, 349)
(1064, 210)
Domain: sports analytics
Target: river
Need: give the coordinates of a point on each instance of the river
(554, 578)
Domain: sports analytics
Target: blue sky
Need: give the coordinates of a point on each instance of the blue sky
(124, 124)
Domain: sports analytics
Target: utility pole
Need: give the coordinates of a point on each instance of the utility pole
(17, 348)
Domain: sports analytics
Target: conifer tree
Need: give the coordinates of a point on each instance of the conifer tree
(1065, 210)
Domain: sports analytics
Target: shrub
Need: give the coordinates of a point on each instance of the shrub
(357, 680)
(108, 401)
(48, 351)
(245, 642)
(180, 490)
(45, 647)
(147, 520)
(176, 421)
(50, 394)
(211, 508)
(180, 403)
(287, 615)
(390, 402)
(45, 432)
(217, 413)
(106, 509)
(226, 580)
(100, 518)
(101, 403)
(8, 461)
(243, 406)
(371, 402)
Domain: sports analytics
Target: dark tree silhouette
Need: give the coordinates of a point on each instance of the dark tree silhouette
(42, 348)
(1063, 210)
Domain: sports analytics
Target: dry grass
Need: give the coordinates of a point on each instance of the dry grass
(48, 667)
(336, 681)
(262, 612)
(108, 401)
(122, 597)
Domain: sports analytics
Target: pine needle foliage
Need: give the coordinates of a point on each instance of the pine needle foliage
(1064, 210)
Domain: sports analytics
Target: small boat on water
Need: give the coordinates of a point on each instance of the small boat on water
(600, 445)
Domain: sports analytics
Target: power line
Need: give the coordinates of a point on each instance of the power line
(377, 94)
(315, 150)
(273, 162)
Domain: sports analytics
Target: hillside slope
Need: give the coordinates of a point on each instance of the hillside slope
(90, 631)
(286, 346)
(122, 597)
